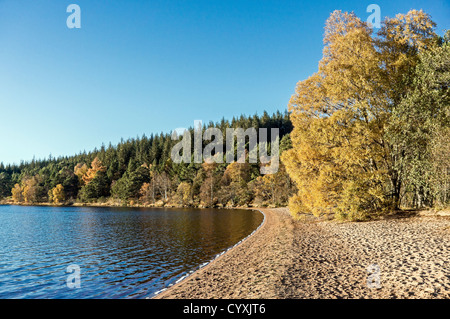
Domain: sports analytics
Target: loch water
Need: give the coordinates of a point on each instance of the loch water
(99, 252)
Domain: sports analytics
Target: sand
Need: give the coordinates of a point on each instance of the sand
(390, 258)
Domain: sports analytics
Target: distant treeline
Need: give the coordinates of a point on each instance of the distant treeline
(141, 171)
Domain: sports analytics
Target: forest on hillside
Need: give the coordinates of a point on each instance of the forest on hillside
(140, 171)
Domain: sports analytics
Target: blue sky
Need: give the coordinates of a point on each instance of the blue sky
(139, 67)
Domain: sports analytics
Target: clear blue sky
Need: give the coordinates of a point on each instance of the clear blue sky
(139, 67)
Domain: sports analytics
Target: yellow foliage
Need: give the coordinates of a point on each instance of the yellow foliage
(96, 166)
(236, 172)
(79, 170)
(340, 160)
(184, 192)
(58, 194)
(274, 188)
(17, 195)
(30, 189)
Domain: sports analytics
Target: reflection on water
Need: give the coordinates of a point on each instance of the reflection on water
(121, 252)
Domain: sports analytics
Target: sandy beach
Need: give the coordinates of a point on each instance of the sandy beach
(389, 258)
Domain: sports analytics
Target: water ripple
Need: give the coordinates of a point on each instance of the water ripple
(122, 253)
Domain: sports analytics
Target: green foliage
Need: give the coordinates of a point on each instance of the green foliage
(141, 170)
(5, 185)
(98, 187)
(419, 129)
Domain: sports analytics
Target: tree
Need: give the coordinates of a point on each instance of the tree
(440, 177)
(234, 184)
(80, 170)
(135, 180)
(285, 143)
(147, 193)
(32, 189)
(96, 188)
(237, 172)
(96, 182)
(401, 42)
(163, 181)
(5, 185)
(273, 188)
(129, 186)
(342, 160)
(67, 178)
(209, 184)
(184, 194)
(17, 193)
(58, 195)
(119, 189)
(96, 166)
(419, 129)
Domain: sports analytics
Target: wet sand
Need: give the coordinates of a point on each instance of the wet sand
(390, 258)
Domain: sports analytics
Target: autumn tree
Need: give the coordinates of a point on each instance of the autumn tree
(146, 193)
(236, 172)
(32, 190)
(96, 166)
(17, 193)
(342, 160)
(95, 180)
(273, 189)
(184, 193)
(80, 170)
(156, 184)
(58, 194)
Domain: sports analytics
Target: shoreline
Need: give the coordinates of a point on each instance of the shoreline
(204, 267)
(316, 259)
(208, 281)
(109, 205)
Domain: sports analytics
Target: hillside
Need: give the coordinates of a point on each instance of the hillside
(141, 171)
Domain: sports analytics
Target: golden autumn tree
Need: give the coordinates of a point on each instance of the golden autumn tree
(58, 194)
(17, 193)
(184, 193)
(273, 189)
(32, 191)
(79, 170)
(147, 193)
(341, 160)
(96, 166)
(237, 172)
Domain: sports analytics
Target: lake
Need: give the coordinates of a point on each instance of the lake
(119, 252)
